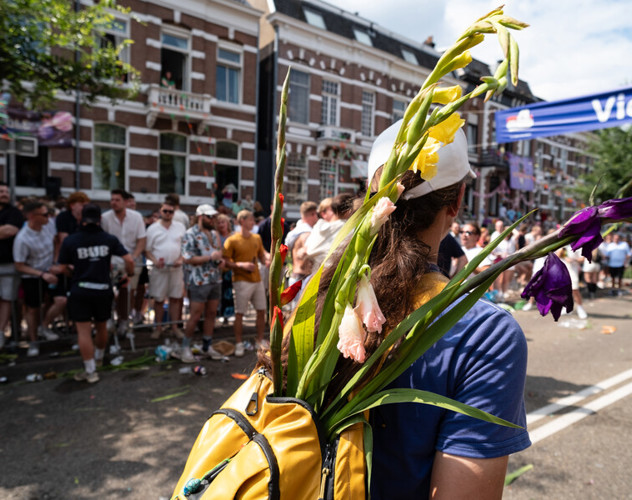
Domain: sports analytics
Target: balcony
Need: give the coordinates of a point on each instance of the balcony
(492, 157)
(332, 135)
(178, 105)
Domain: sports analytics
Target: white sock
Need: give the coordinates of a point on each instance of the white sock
(90, 365)
(98, 353)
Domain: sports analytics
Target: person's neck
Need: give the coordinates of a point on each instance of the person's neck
(35, 226)
(245, 232)
(120, 215)
(166, 223)
(434, 234)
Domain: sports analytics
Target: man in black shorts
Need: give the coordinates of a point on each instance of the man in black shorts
(88, 253)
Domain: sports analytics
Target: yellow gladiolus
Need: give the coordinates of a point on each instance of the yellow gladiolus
(446, 95)
(426, 161)
(444, 131)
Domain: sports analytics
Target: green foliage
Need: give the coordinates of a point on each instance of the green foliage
(46, 46)
(612, 168)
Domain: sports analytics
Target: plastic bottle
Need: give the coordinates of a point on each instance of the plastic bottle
(185, 369)
(34, 377)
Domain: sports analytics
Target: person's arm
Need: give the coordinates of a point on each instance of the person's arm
(462, 478)
(23, 268)
(460, 263)
(153, 259)
(8, 230)
(139, 248)
(129, 264)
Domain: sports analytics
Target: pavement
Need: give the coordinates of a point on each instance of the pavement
(129, 435)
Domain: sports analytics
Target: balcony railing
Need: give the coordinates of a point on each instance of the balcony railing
(178, 104)
(335, 134)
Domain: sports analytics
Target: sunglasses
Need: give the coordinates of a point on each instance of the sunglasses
(469, 233)
(167, 211)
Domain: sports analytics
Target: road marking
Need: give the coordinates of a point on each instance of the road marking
(578, 414)
(562, 403)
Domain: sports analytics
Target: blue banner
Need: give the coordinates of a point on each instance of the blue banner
(604, 110)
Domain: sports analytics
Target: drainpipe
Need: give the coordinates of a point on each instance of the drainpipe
(77, 126)
(257, 84)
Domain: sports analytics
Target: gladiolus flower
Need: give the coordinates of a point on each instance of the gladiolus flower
(277, 314)
(368, 307)
(283, 251)
(290, 292)
(426, 161)
(445, 95)
(351, 336)
(382, 209)
(444, 131)
(400, 189)
(586, 223)
(551, 287)
(616, 209)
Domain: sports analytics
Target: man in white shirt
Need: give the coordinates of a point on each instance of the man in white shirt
(166, 279)
(470, 234)
(128, 226)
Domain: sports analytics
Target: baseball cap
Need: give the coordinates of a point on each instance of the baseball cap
(453, 164)
(205, 209)
(91, 214)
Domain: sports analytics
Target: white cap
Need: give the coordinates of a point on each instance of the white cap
(453, 164)
(205, 209)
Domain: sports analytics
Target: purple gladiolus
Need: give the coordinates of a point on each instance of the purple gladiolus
(551, 287)
(587, 224)
(616, 209)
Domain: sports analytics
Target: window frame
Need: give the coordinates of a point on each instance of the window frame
(186, 67)
(314, 18)
(230, 66)
(330, 99)
(368, 125)
(333, 163)
(174, 153)
(396, 114)
(409, 56)
(292, 96)
(296, 172)
(110, 145)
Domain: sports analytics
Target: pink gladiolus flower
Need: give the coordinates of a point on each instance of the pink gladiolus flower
(290, 292)
(351, 336)
(382, 209)
(368, 307)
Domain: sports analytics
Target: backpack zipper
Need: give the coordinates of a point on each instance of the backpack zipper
(325, 473)
(254, 399)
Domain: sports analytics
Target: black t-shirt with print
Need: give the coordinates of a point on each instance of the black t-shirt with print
(9, 215)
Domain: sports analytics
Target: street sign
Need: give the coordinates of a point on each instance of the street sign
(26, 146)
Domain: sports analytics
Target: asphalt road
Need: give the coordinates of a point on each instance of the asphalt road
(128, 436)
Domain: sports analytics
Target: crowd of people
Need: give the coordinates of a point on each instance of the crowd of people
(57, 259)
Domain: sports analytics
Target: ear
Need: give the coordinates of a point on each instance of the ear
(453, 210)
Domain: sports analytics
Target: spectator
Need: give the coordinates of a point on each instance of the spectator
(11, 220)
(202, 254)
(69, 220)
(264, 229)
(324, 209)
(128, 226)
(227, 304)
(451, 258)
(130, 200)
(164, 250)
(455, 230)
(573, 261)
(470, 234)
(325, 230)
(179, 216)
(89, 251)
(33, 252)
(242, 250)
(309, 218)
(618, 253)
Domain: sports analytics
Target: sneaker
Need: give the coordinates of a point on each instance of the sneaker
(186, 356)
(91, 378)
(33, 351)
(137, 318)
(47, 333)
(239, 349)
(581, 313)
(98, 362)
(528, 306)
(264, 344)
(213, 354)
(155, 334)
(121, 329)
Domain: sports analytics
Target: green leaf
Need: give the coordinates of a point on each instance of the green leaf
(392, 396)
(510, 478)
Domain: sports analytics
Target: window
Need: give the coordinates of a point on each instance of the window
(295, 187)
(31, 171)
(368, 105)
(172, 163)
(174, 59)
(314, 18)
(109, 157)
(114, 36)
(227, 168)
(228, 74)
(328, 172)
(362, 37)
(472, 138)
(299, 97)
(329, 113)
(409, 56)
(399, 107)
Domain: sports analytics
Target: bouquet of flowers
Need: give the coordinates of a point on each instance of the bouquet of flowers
(331, 324)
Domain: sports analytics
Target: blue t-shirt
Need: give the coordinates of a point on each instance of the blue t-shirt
(481, 362)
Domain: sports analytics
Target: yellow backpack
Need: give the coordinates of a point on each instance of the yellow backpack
(257, 446)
